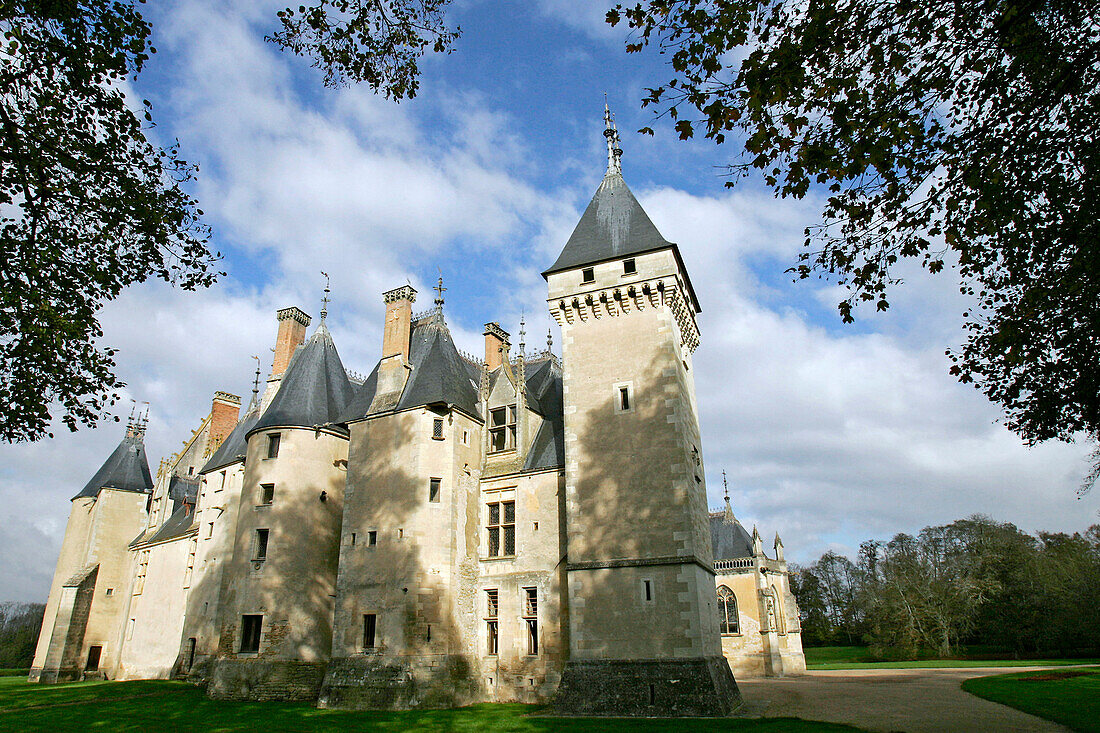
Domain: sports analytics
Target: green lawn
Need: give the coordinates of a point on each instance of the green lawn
(1070, 696)
(176, 706)
(858, 657)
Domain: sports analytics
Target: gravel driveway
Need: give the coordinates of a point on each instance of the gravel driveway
(910, 700)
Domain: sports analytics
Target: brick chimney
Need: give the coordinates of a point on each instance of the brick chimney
(224, 413)
(292, 334)
(398, 327)
(496, 343)
(393, 370)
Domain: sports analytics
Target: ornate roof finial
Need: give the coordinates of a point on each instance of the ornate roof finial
(439, 290)
(522, 333)
(727, 515)
(614, 152)
(325, 300)
(549, 340)
(255, 386)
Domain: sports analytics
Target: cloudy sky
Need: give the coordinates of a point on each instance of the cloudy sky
(829, 433)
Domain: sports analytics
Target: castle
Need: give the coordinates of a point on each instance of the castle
(449, 529)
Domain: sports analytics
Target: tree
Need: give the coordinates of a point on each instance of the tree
(367, 40)
(89, 204)
(957, 135)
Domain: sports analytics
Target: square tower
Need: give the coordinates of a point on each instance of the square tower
(643, 624)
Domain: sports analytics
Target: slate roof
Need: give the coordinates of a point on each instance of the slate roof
(315, 389)
(183, 490)
(438, 375)
(729, 538)
(126, 469)
(614, 226)
(235, 444)
(179, 524)
(545, 396)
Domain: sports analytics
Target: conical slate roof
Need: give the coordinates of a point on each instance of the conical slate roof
(729, 538)
(614, 225)
(127, 469)
(438, 375)
(235, 444)
(315, 389)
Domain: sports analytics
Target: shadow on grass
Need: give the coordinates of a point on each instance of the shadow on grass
(160, 705)
(1069, 699)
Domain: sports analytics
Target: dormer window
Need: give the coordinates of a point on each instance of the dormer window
(588, 275)
(629, 267)
(502, 429)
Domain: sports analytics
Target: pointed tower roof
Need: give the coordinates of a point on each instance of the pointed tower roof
(614, 225)
(438, 375)
(314, 390)
(127, 468)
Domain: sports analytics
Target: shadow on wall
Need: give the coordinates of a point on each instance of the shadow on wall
(406, 580)
(292, 587)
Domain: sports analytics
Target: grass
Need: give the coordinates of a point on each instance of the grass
(176, 706)
(1070, 697)
(858, 657)
(14, 672)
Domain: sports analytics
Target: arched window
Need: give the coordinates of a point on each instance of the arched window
(727, 611)
(780, 617)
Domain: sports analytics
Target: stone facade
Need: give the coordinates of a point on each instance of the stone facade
(448, 530)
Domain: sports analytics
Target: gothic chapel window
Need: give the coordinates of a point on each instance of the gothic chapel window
(728, 621)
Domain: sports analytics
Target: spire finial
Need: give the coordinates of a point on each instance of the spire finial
(611, 132)
(522, 332)
(439, 290)
(549, 340)
(325, 300)
(255, 385)
(725, 486)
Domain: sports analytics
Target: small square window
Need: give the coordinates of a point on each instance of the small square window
(267, 493)
(624, 398)
(273, 445)
(110, 591)
(629, 267)
(437, 428)
(588, 275)
(250, 632)
(433, 490)
(372, 538)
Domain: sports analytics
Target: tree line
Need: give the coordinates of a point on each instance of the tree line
(19, 626)
(975, 581)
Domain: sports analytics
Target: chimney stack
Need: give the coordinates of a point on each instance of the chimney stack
(224, 413)
(496, 343)
(292, 334)
(398, 327)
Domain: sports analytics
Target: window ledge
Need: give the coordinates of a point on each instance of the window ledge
(440, 438)
(498, 557)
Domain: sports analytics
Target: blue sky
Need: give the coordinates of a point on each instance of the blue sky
(830, 434)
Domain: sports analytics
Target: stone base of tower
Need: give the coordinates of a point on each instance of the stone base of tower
(261, 679)
(702, 687)
(430, 681)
